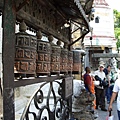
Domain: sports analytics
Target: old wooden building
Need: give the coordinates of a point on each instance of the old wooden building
(103, 34)
(26, 57)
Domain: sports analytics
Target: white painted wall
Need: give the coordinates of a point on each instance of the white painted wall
(106, 23)
(103, 32)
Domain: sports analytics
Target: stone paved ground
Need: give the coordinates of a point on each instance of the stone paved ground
(102, 114)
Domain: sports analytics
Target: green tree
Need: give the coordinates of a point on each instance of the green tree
(117, 28)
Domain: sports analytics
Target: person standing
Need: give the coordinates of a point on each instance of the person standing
(109, 77)
(107, 71)
(89, 84)
(90, 87)
(116, 92)
(88, 81)
(99, 90)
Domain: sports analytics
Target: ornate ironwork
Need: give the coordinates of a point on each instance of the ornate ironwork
(40, 107)
(43, 56)
(25, 54)
(38, 14)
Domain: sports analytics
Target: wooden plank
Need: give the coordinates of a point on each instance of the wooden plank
(82, 13)
(106, 55)
(67, 87)
(35, 23)
(1, 5)
(23, 82)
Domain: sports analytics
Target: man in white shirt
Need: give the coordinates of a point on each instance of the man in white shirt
(99, 90)
(116, 90)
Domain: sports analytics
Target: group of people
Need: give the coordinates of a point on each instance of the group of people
(107, 87)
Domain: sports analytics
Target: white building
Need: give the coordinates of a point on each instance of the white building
(103, 39)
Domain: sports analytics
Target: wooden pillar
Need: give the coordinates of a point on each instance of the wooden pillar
(8, 59)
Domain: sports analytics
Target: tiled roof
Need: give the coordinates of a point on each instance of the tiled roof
(100, 2)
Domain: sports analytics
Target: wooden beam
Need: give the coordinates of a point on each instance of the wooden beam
(82, 13)
(78, 38)
(1, 5)
(9, 18)
(22, 4)
(24, 82)
(106, 55)
(36, 24)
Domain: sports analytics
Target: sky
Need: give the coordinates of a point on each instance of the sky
(115, 4)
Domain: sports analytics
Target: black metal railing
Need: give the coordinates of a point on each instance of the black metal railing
(47, 107)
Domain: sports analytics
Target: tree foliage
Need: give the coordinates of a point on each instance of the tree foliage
(117, 28)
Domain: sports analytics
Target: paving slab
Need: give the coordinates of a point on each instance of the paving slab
(103, 114)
